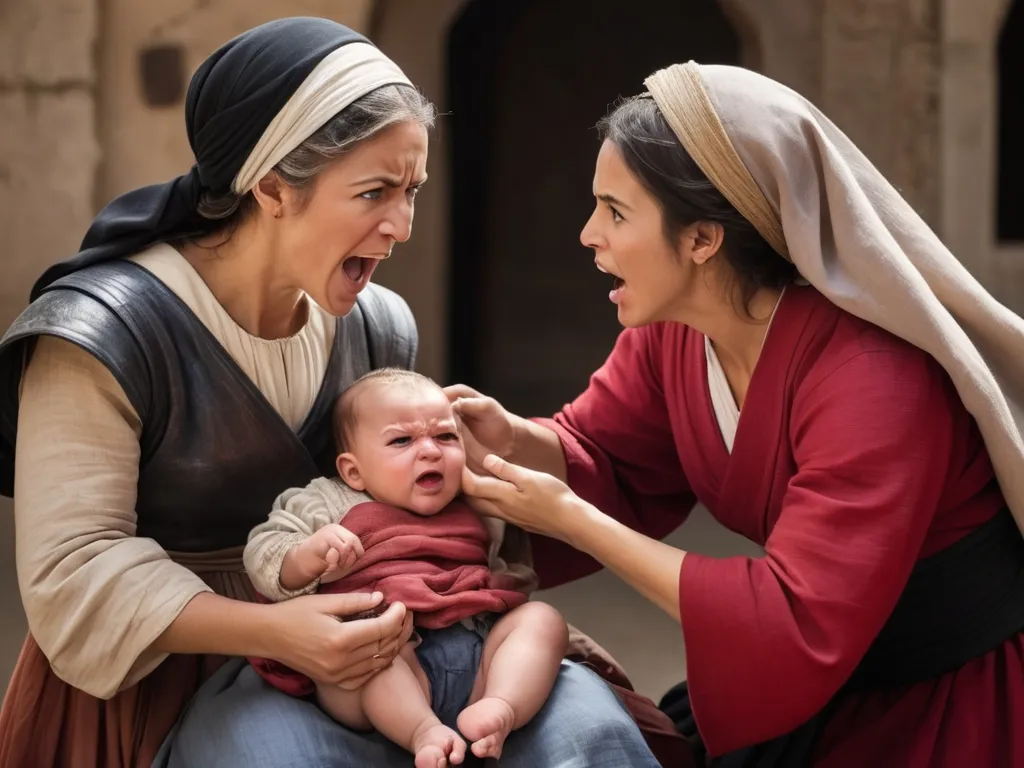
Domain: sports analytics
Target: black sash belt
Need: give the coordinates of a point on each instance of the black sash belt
(958, 604)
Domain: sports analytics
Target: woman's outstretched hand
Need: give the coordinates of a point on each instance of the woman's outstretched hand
(310, 639)
(534, 501)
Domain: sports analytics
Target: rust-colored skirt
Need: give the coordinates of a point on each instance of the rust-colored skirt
(46, 723)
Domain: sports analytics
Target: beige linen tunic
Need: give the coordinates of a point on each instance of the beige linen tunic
(95, 594)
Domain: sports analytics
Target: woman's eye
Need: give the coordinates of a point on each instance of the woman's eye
(373, 194)
(616, 216)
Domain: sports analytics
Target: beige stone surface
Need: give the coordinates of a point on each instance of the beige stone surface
(145, 145)
(1008, 276)
(880, 84)
(47, 171)
(783, 39)
(967, 138)
(48, 153)
(47, 42)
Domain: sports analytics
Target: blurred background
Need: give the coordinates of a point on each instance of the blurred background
(91, 105)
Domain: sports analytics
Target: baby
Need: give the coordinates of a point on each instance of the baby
(406, 535)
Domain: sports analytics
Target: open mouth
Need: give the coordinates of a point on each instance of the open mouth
(358, 269)
(430, 481)
(617, 284)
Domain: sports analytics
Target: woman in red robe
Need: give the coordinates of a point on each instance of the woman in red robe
(801, 354)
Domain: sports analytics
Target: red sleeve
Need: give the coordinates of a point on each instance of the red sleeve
(770, 640)
(620, 453)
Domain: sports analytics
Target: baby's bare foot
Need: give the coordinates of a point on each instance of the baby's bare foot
(487, 724)
(438, 746)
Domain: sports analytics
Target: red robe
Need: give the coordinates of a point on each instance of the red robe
(854, 457)
(436, 566)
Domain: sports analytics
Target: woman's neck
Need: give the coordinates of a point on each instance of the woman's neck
(242, 270)
(737, 340)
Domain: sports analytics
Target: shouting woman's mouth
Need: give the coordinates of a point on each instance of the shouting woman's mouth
(616, 292)
(617, 284)
(357, 270)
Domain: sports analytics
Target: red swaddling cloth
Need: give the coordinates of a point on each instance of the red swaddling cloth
(436, 566)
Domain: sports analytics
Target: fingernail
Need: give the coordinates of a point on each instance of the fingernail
(377, 597)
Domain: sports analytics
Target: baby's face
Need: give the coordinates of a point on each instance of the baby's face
(407, 448)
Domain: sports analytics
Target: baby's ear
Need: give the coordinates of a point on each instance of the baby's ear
(348, 470)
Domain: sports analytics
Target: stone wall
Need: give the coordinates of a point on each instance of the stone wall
(880, 83)
(782, 39)
(968, 145)
(49, 153)
(144, 144)
(873, 66)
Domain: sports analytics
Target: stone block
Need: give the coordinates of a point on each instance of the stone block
(47, 42)
(47, 171)
(881, 85)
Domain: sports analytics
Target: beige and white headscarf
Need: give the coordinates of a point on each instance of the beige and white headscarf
(821, 203)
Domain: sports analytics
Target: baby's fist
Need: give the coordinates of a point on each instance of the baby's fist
(335, 548)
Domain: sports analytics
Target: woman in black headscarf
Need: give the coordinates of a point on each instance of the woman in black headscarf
(173, 377)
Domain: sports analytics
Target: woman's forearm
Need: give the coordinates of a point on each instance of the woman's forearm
(218, 625)
(649, 566)
(537, 447)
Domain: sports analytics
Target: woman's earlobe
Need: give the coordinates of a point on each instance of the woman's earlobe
(703, 254)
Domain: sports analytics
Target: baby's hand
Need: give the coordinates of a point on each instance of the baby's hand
(329, 553)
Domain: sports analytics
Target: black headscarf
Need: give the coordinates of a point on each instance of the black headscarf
(233, 97)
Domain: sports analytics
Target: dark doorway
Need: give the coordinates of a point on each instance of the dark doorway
(528, 80)
(1010, 162)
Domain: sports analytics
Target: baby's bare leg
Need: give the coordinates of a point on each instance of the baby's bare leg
(344, 706)
(520, 662)
(396, 702)
(347, 707)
